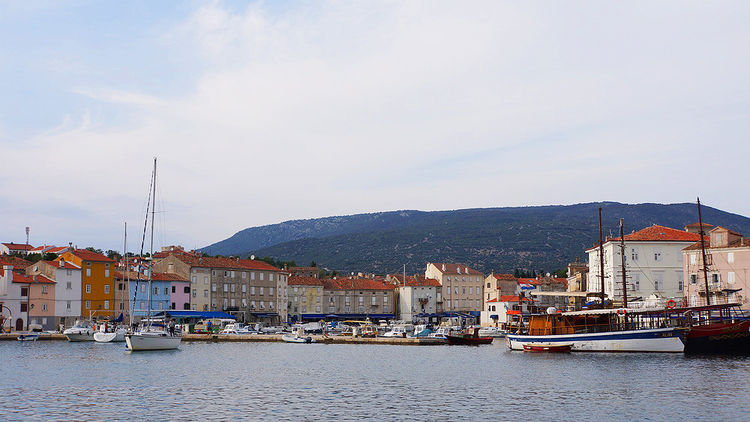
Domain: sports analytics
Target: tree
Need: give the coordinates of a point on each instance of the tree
(561, 273)
(49, 256)
(114, 255)
(313, 264)
(93, 249)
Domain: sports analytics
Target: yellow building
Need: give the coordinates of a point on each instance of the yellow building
(97, 282)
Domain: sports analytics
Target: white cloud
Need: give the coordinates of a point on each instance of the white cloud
(325, 109)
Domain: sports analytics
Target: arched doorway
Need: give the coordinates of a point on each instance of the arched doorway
(19, 324)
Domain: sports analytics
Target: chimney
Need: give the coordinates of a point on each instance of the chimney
(443, 267)
(62, 262)
(8, 273)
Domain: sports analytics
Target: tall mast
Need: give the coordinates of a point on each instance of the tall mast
(601, 256)
(622, 253)
(703, 251)
(126, 272)
(151, 252)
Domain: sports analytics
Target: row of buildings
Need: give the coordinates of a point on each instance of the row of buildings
(661, 263)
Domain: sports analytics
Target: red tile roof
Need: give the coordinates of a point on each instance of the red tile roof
(455, 268)
(656, 233)
(87, 255)
(32, 279)
(121, 275)
(227, 263)
(504, 276)
(297, 280)
(68, 265)
(17, 263)
(18, 246)
(512, 299)
(356, 284)
(492, 300)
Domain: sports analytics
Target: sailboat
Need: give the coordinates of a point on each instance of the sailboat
(601, 330)
(152, 336)
(114, 333)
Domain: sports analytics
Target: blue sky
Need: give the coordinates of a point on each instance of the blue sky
(262, 112)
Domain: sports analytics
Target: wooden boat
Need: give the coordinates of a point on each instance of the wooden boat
(548, 347)
(468, 338)
(290, 338)
(722, 328)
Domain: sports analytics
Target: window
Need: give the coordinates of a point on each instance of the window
(488, 285)
(195, 279)
(693, 258)
(455, 290)
(385, 300)
(317, 309)
(657, 255)
(68, 272)
(195, 307)
(174, 290)
(252, 290)
(347, 300)
(106, 270)
(226, 288)
(44, 307)
(24, 307)
(261, 290)
(232, 277)
(69, 285)
(161, 305)
(106, 304)
(262, 304)
(714, 278)
(226, 273)
(680, 283)
(331, 309)
(205, 293)
(348, 309)
(244, 274)
(637, 281)
(213, 272)
(213, 287)
(270, 291)
(205, 307)
(121, 286)
(693, 278)
(730, 277)
(730, 257)
(195, 293)
(270, 305)
(143, 288)
(304, 299)
(44, 290)
(88, 304)
(261, 276)
(232, 288)
(658, 281)
(67, 304)
(122, 306)
(232, 302)
(205, 280)
(106, 289)
(304, 309)
(374, 300)
(88, 288)
(244, 287)
(244, 301)
(361, 299)
(186, 289)
(156, 290)
(296, 298)
(252, 275)
(270, 277)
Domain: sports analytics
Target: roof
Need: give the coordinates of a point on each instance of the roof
(227, 263)
(739, 243)
(122, 275)
(492, 300)
(512, 299)
(88, 255)
(297, 280)
(196, 314)
(18, 246)
(68, 265)
(17, 263)
(504, 276)
(414, 281)
(719, 228)
(656, 233)
(455, 268)
(304, 269)
(32, 279)
(356, 284)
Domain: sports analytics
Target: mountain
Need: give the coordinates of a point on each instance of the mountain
(501, 239)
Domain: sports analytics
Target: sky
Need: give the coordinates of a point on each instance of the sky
(262, 112)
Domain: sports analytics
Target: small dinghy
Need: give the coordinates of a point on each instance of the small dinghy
(289, 338)
(548, 347)
(28, 337)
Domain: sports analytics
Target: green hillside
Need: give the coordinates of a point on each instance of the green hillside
(501, 239)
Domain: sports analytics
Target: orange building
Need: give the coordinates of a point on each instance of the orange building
(97, 282)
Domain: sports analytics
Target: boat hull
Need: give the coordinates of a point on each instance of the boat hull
(28, 337)
(723, 337)
(662, 340)
(145, 341)
(468, 341)
(82, 336)
(295, 339)
(117, 337)
(547, 347)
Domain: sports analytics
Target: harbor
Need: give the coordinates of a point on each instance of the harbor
(277, 381)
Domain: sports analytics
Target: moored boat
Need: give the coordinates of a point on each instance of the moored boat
(603, 330)
(547, 347)
(469, 337)
(28, 337)
(291, 338)
(81, 331)
(723, 328)
(110, 335)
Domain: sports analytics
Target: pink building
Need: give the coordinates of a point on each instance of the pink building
(728, 259)
(180, 296)
(42, 302)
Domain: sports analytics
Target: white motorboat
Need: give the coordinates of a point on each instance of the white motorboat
(291, 338)
(81, 331)
(116, 335)
(442, 332)
(496, 332)
(403, 331)
(236, 329)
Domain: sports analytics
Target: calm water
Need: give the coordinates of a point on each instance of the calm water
(279, 381)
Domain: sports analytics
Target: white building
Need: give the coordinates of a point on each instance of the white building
(653, 264)
(418, 295)
(14, 296)
(504, 310)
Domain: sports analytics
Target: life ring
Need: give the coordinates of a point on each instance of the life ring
(671, 304)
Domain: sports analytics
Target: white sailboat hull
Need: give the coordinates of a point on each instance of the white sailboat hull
(152, 341)
(80, 336)
(665, 340)
(116, 337)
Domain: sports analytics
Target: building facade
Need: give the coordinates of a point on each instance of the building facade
(653, 264)
(97, 282)
(306, 298)
(728, 259)
(417, 295)
(358, 298)
(67, 296)
(461, 287)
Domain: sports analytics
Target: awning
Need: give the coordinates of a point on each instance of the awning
(512, 312)
(493, 316)
(196, 314)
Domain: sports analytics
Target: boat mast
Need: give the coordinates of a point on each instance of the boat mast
(622, 253)
(703, 251)
(151, 252)
(126, 272)
(601, 256)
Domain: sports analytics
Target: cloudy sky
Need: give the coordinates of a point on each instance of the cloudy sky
(268, 111)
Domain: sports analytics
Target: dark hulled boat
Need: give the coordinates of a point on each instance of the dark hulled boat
(722, 328)
(470, 337)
